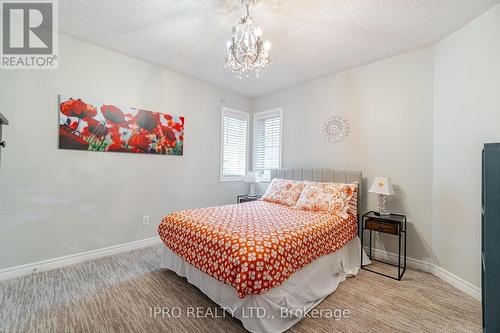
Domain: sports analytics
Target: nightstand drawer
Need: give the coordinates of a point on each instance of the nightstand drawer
(247, 198)
(379, 226)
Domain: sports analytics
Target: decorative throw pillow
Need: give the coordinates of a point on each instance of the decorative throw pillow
(353, 202)
(327, 197)
(282, 191)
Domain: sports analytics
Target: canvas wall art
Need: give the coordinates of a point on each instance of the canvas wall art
(87, 125)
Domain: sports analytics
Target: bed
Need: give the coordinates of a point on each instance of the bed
(265, 263)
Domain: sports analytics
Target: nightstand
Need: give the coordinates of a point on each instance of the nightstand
(247, 198)
(393, 224)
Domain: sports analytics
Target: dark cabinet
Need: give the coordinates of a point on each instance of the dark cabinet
(490, 238)
(3, 121)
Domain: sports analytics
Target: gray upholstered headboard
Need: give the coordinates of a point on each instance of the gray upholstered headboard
(323, 175)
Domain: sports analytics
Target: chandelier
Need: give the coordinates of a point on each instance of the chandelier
(246, 51)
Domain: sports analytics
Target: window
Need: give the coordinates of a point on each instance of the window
(267, 138)
(234, 144)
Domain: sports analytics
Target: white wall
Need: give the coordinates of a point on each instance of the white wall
(389, 105)
(58, 202)
(420, 118)
(466, 115)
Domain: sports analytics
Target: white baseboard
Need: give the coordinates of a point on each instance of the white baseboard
(45, 265)
(411, 262)
(457, 282)
(432, 268)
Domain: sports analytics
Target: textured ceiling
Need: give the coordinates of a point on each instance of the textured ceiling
(310, 38)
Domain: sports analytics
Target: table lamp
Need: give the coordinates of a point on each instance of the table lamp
(252, 179)
(383, 187)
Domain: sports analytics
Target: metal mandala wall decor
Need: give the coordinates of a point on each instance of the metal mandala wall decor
(335, 129)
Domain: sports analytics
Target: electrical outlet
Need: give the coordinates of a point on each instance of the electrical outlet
(145, 220)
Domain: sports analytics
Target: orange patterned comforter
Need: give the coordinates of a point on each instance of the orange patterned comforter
(254, 246)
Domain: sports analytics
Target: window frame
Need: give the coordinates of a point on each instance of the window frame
(262, 115)
(226, 110)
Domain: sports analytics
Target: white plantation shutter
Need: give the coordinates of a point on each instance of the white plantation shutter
(234, 144)
(267, 155)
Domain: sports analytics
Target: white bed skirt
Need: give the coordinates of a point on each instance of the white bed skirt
(300, 293)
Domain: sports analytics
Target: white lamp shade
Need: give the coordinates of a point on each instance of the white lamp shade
(251, 177)
(382, 185)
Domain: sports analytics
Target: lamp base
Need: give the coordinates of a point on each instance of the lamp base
(382, 213)
(381, 206)
(252, 190)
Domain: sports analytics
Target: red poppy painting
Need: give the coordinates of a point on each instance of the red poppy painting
(105, 127)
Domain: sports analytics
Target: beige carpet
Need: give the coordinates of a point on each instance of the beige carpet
(115, 294)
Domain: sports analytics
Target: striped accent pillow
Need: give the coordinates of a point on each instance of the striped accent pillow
(353, 202)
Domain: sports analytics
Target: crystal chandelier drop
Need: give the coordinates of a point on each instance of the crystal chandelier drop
(246, 51)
